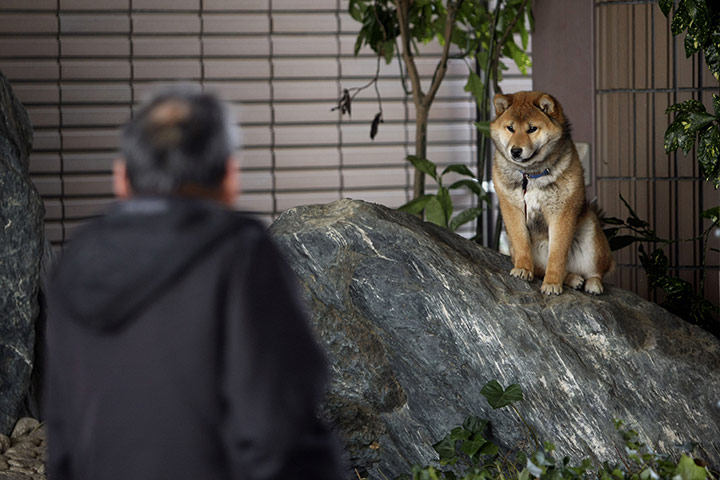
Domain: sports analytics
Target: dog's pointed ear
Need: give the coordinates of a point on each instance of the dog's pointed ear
(549, 105)
(502, 103)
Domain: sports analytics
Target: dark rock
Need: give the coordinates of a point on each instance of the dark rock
(21, 252)
(416, 320)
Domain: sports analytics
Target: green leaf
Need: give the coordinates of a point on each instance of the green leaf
(666, 6)
(613, 221)
(416, 205)
(691, 6)
(699, 27)
(687, 470)
(712, 56)
(464, 217)
(358, 45)
(473, 445)
(524, 35)
(460, 168)
(424, 165)
(681, 20)
(475, 86)
(656, 264)
(522, 59)
(708, 154)
(621, 241)
(677, 135)
(427, 473)
(483, 127)
(692, 45)
(474, 424)
(697, 121)
(388, 50)
(611, 232)
(498, 397)
(459, 433)
(716, 105)
(712, 214)
(686, 107)
(356, 10)
(445, 448)
(637, 222)
(435, 213)
(471, 184)
(443, 196)
(674, 285)
(630, 209)
(489, 449)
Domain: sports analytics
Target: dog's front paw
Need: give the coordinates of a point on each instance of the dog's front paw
(522, 273)
(573, 280)
(551, 288)
(594, 285)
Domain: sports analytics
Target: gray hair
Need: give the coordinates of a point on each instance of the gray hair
(181, 137)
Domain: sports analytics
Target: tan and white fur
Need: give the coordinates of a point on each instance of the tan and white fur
(540, 186)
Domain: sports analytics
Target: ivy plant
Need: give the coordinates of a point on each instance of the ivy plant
(468, 453)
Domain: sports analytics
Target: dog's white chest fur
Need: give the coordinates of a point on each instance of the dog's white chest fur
(533, 196)
(532, 203)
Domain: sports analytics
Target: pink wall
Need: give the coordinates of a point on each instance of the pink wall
(563, 59)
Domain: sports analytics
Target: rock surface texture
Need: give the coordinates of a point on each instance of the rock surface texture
(416, 320)
(21, 252)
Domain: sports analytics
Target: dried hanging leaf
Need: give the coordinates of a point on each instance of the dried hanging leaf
(375, 123)
(344, 103)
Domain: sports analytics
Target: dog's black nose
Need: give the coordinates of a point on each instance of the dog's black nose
(516, 152)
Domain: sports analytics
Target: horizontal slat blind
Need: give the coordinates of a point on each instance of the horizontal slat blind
(80, 66)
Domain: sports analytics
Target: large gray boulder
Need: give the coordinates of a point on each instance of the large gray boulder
(21, 253)
(416, 320)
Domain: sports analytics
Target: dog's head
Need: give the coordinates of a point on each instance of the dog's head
(526, 125)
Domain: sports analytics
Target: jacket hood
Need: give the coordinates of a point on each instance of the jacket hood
(119, 262)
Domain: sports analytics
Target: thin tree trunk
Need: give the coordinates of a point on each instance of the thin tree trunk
(421, 124)
(423, 101)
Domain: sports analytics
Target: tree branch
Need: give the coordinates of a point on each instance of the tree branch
(403, 23)
(345, 102)
(441, 69)
(499, 46)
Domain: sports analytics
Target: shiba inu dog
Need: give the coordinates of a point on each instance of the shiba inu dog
(538, 179)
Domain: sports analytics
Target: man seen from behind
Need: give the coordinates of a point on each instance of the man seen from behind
(177, 344)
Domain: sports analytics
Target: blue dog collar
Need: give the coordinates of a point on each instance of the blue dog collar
(536, 175)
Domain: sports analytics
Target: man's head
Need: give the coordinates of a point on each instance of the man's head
(179, 143)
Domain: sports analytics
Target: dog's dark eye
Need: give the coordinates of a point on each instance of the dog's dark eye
(510, 128)
(532, 129)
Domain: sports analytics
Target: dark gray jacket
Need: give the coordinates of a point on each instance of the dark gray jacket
(178, 349)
